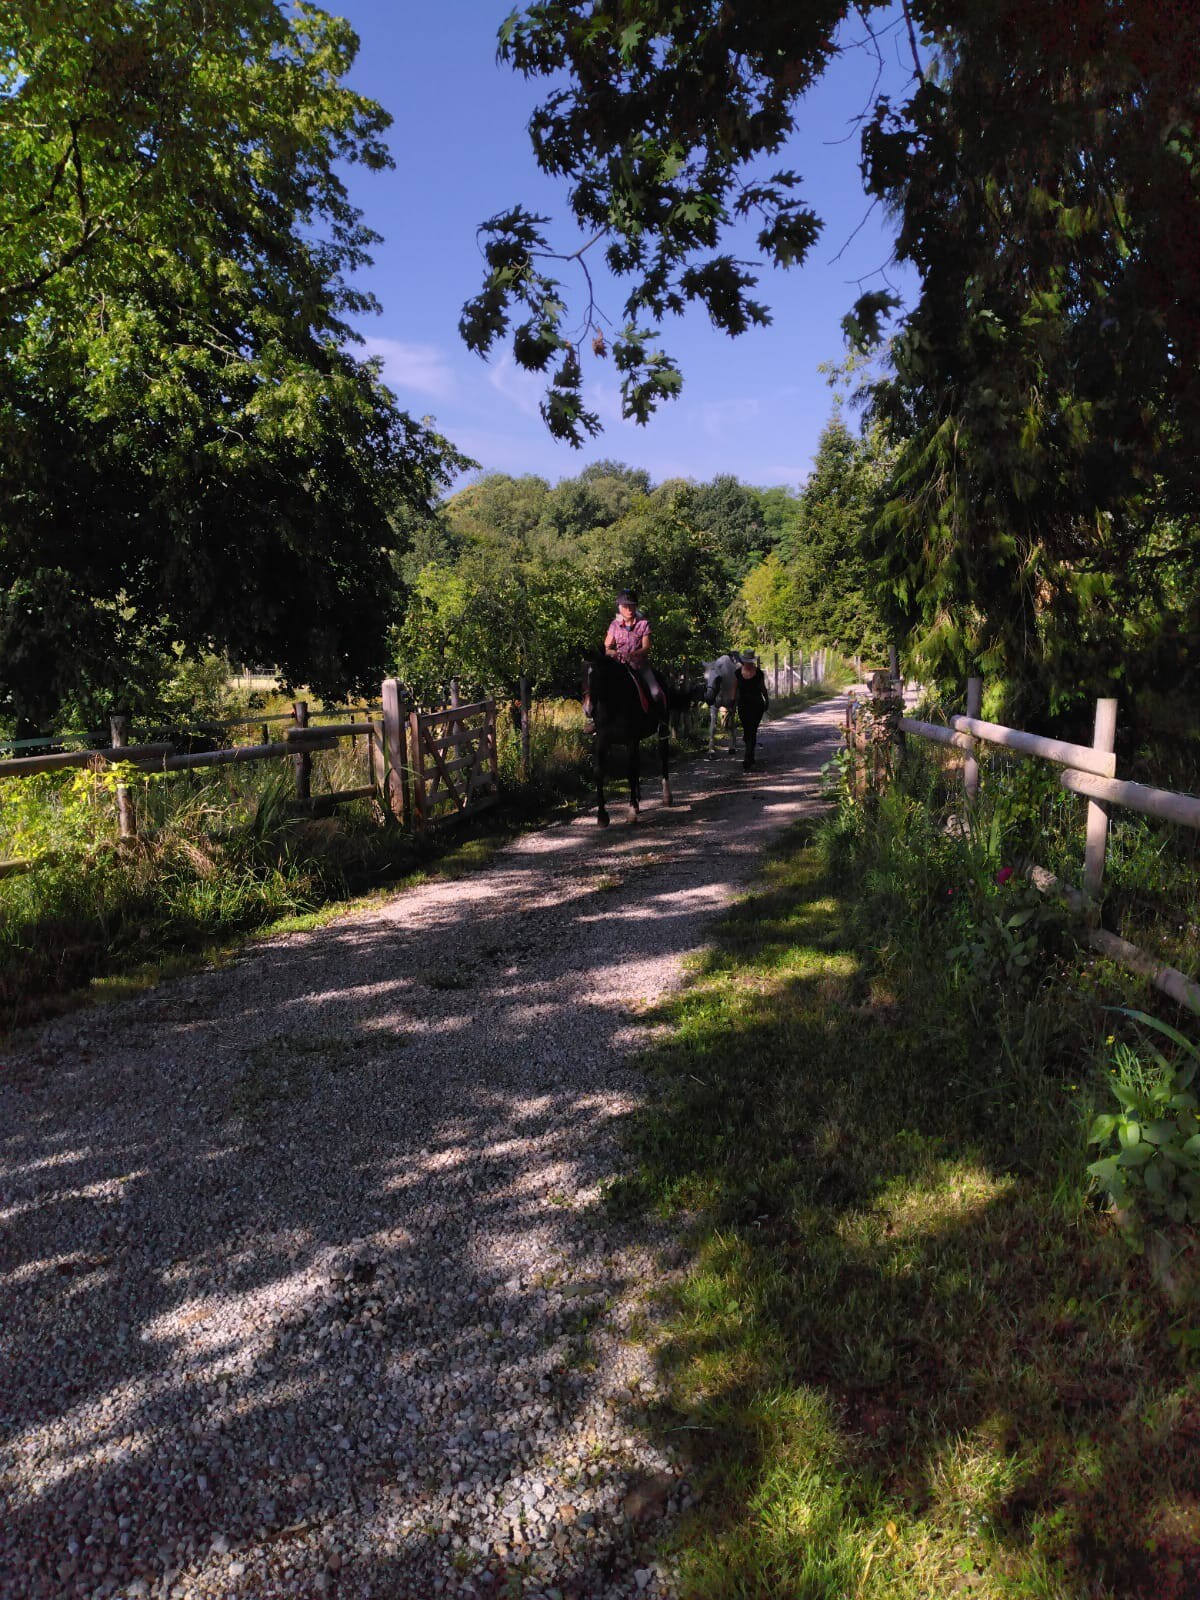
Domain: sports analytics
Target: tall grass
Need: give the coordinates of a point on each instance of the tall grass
(914, 1356)
(222, 853)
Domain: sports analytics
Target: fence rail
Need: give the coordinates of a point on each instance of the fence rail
(425, 766)
(1089, 771)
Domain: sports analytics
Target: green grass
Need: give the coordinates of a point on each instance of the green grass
(912, 1358)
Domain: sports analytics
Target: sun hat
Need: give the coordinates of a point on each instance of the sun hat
(627, 597)
(749, 659)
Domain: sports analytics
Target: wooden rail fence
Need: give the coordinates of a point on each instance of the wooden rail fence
(1090, 771)
(424, 767)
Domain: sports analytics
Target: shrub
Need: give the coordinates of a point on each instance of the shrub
(1155, 1165)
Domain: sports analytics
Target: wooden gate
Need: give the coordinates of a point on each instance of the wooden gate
(453, 761)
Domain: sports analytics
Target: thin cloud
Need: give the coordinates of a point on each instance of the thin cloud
(520, 388)
(722, 416)
(419, 368)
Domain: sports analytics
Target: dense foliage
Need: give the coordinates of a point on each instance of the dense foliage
(1044, 396)
(520, 577)
(189, 454)
(513, 578)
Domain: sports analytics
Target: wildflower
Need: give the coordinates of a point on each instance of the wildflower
(1004, 875)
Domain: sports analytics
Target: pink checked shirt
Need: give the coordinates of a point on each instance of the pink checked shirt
(628, 637)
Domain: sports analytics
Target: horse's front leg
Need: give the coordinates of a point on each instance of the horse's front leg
(731, 719)
(600, 752)
(635, 778)
(664, 756)
(714, 711)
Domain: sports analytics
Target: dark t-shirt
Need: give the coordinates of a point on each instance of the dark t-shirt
(751, 694)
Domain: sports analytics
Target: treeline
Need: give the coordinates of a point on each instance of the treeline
(512, 577)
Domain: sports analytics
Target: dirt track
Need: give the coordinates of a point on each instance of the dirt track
(304, 1287)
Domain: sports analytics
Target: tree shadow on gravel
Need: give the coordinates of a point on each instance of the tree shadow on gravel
(288, 1250)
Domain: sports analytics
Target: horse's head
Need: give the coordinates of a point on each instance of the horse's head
(718, 680)
(591, 663)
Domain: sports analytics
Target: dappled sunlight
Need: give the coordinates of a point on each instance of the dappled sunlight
(336, 1241)
(954, 1193)
(988, 1376)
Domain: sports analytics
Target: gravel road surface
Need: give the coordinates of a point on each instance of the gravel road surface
(305, 1284)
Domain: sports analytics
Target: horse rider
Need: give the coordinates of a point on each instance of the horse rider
(628, 640)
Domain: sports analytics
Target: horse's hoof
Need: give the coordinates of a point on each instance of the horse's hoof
(602, 819)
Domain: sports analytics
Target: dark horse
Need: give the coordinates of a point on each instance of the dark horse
(611, 699)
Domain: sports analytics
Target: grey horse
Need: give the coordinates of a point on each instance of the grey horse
(720, 690)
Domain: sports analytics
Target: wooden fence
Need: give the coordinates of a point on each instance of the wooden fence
(795, 670)
(423, 767)
(1090, 771)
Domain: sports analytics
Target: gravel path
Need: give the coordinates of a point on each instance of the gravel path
(304, 1284)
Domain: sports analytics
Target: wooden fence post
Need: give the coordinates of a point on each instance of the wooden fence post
(791, 669)
(525, 730)
(420, 800)
(395, 752)
(970, 765)
(775, 674)
(1104, 738)
(126, 823)
(302, 764)
(491, 734)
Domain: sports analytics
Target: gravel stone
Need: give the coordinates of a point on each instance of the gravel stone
(307, 1281)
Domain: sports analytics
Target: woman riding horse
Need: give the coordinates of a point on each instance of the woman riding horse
(625, 701)
(628, 641)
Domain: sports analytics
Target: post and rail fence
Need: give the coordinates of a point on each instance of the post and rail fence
(423, 767)
(1085, 770)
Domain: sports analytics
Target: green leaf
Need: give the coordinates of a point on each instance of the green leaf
(1135, 1155)
(1102, 1127)
(1165, 1028)
(1159, 1132)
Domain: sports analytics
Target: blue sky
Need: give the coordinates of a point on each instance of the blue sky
(753, 406)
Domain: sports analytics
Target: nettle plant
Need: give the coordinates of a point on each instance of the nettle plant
(1152, 1161)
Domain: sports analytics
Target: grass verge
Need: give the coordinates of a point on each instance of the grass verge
(913, 1357)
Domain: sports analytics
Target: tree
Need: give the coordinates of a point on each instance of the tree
(767, 600)
(1046, 391)
(189, 453)
(658, 549)
(733, 514)
(833, 585)
(504, 596)
(1042, 171)
(656, 118)
(499, 506)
